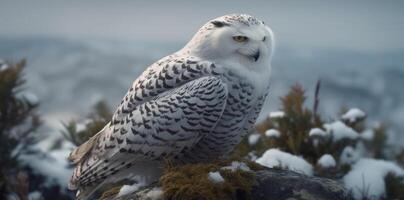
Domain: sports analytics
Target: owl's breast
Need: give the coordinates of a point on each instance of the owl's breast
(239, 115)
(243, 99)
(242, 107)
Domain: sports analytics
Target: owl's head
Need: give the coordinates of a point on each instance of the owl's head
(237, 37)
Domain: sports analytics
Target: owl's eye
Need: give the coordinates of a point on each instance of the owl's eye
(240, 38)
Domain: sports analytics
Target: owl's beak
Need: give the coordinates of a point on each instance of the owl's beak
(256, 56)
(251, 54)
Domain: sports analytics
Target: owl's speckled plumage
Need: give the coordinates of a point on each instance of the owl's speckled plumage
(192, 106)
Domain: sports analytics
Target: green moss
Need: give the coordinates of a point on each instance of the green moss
(191, 182)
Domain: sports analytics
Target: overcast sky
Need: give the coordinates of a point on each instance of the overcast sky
(371, 26)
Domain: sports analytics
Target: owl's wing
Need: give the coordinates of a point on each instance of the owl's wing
(160, 77)
(164, 126)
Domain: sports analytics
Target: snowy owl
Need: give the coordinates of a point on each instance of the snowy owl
(194, 105)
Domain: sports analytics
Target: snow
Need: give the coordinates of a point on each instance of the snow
(367, 135)
(276, 158)
(252, 155)
(340, 131)
(272, 133)
(276, 114)
(354, 115)
(80, 127)
(128, 189)
(36, 195)
(327, 161)
(367, 177)
(30, 97)
(253, 138)
(349, 155)
(318, 132)
(215, 177)
(51, 163)
(235, 165)
(155, 194)
(3, 65)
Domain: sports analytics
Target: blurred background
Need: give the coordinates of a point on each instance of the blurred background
(80, 52)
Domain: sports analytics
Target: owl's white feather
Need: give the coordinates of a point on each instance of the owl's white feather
(194, 105)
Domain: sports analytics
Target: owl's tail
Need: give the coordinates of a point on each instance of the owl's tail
(85, 188)
(80, 157)
(86, 192)
(94, 171)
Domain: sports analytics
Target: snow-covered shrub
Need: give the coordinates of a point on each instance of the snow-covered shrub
(20, 139)
(341, 149)
(18, 122)
(367, 177)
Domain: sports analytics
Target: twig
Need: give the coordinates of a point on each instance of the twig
(316, 97)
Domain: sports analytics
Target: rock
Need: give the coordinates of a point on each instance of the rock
(289, 185)
(274, 184)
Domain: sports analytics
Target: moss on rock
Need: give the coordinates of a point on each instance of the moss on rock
(191, 181)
